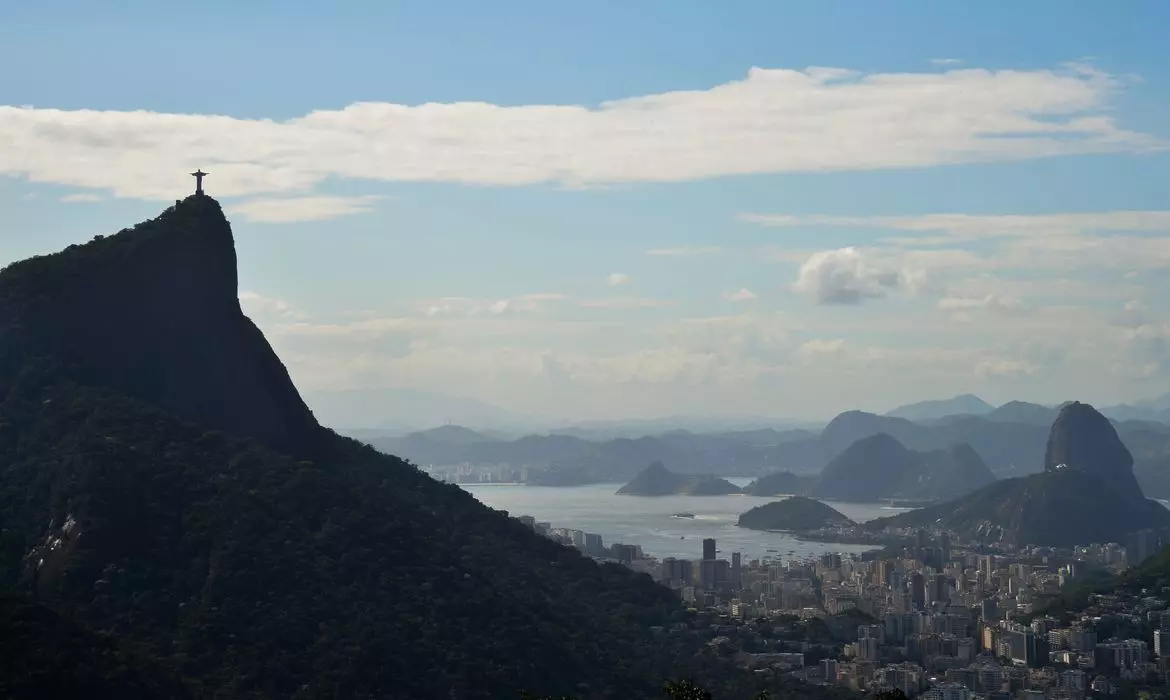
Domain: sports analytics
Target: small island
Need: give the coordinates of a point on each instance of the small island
(657, 480)
(796, 514)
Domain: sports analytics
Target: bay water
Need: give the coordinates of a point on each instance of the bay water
(651, 522)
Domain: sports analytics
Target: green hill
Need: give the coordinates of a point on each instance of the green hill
(161, 480)
(1087, 494)
(880, 467)
(657, 480)
(796, 513)
(44, 654)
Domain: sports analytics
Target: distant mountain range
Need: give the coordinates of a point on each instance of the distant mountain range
(1087, 493)
(1157, 410)
(880, 467)
(657, 480)
(1010, 440)
(394, 412)
(967, 404)
(169, 503)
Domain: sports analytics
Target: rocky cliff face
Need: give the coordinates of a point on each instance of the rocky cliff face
(154, 313)
(1083, 439)
(1088, 473)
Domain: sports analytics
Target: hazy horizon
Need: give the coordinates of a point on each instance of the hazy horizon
(597, 213)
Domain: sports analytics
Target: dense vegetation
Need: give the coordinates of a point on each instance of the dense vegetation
(1088, 471)
(320, 568)
(260, 574)
(1033, 510)
(795, 513)
(43, 654)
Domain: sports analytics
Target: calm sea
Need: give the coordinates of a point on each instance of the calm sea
(648, 522)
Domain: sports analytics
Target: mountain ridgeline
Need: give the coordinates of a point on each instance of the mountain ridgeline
(881, 467)
(161, 480)
(657, 480)
(1086, 494)
(154, 313)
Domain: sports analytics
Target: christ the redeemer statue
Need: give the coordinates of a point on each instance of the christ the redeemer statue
(198, 174)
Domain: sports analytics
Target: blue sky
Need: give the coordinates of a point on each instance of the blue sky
(606, 211)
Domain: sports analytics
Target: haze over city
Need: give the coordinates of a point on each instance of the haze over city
(673, 211)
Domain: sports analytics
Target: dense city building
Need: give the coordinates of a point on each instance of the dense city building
(937, 619)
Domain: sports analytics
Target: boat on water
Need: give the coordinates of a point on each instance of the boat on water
(773, 550)
(683, 515)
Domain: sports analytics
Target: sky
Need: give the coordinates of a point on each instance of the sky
(614, 210)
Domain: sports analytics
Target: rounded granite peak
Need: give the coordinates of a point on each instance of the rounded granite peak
(1082, 438)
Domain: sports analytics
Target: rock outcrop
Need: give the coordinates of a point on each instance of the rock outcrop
(154, 313)
(1081, 438)
(1087, 494)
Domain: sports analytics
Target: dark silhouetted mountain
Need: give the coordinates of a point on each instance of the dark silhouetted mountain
(44, 654)
(780, 484)
(657, 480)
(880, 467)
(1036, 510)
(1089, 477)
(966, 404)
(796, 513)
(160, 479)
(1023, 412)
(1083, 439)
(154, 313)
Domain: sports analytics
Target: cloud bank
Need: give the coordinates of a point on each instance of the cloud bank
(773, 120)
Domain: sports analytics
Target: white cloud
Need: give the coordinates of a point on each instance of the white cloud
(281, 210)
(990, 302)
(258, 305)
(773, 120)
(81, 197)
(625, 303)
(617, 279)
(946, 61)
(464, 306)
(744, 294)
(684, 251)
(972, 227)
(851, 275)
(1004, 367)
(771, 363)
